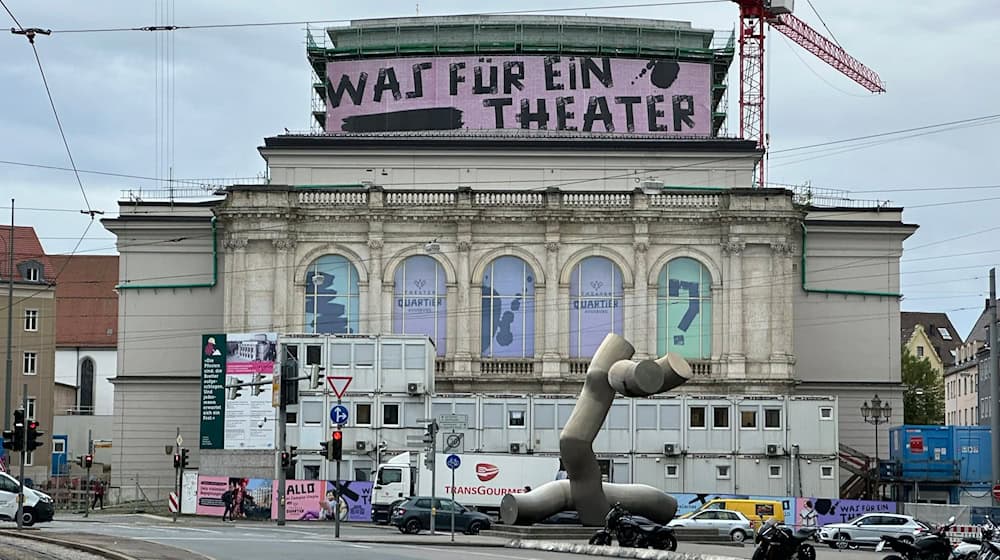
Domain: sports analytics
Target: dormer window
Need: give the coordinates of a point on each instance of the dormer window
(32, 273)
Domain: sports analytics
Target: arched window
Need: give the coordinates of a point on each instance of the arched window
(420, 302)
(684, 309)
(595, 304)
(332, 300)
(508, 318)
(86, 390)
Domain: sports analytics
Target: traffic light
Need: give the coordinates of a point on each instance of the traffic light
(33, 434)
(315, 381)
(79, 460)
(177, 460)
(325, 447)
(286, 460)
(258, 389)
(235, 388)
(337, 446)
(290, 385)
(293, 455)
(8, 440)
(431, 433)
(88, 461)
(13, 439)
(184, 457)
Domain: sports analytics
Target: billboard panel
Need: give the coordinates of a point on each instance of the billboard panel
(582, 93)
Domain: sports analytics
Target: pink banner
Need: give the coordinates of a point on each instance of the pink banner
(302, 499)
(210, 490)
(599, 94)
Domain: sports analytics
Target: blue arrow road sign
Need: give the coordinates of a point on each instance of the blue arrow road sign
(338, 414)
(453, 461)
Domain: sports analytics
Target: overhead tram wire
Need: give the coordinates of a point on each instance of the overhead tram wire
(325, 21)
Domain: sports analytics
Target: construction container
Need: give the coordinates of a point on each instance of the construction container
(958, 454)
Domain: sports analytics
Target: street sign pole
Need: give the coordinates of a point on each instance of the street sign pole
(453, 463)
(433, 452)
(336, 491)
(177, 473)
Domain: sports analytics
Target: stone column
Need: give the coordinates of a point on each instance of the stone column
(733, 328)
(463, 319)
(782, 288)
(552, 361)
(376, 323)
(284, 286)
(642, 315)
(236, 285)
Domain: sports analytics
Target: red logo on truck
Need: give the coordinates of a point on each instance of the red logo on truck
(487, 472)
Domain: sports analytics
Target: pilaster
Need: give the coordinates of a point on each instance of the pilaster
(735, 353)
(552, 362)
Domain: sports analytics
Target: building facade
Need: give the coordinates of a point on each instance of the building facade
(32, 337)
(86, 352)
(516, 251)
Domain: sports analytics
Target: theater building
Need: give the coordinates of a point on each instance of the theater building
(515, 188)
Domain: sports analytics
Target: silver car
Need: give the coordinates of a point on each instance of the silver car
(728, 522)
(867, 530)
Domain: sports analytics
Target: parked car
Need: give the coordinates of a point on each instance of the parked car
(728, 522)
(414, 515)
(868, 529)
(757, 511)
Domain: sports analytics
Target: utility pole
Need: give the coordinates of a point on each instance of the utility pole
(288, 369)
(994, 379)
(7, 412)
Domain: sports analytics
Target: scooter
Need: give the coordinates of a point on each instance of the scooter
(620, 524)
(780, 542)
(933, 546)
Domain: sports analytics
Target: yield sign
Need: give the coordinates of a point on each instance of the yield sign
(339, 384)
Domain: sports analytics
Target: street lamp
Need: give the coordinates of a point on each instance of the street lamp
(876, 414)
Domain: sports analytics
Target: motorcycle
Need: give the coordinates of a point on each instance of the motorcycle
(629, 532)
(974, 549)
(934, 546)
(780, 542)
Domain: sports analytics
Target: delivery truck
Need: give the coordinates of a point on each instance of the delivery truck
(481, 481)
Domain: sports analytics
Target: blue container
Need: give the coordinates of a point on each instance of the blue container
(941, 453)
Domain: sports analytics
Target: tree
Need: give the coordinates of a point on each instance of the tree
(923, 402)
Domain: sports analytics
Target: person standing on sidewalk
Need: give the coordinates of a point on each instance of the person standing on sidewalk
(98, 494)
(227, 499)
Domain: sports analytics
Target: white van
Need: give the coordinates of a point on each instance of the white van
(38, 507)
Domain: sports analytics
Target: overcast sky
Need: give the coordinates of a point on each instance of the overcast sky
(233, 87)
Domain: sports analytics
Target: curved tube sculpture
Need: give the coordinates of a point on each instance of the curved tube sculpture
(611, 371)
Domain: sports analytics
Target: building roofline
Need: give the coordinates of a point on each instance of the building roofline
(589, 141)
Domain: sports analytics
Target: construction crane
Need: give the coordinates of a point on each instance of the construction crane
(754, 15)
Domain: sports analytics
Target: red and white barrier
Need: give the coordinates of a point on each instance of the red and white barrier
(959, 532)
(173, 503)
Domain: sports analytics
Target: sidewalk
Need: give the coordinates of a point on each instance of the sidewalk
(424, 538)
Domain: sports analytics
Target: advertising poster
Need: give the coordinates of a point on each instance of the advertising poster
(596, 305)
(508, 309)
(210, 490)
(420, 300)
(355, 496)
(302, 499)
(213, 391)
(835, 510)
(249, 419)
(589, 94)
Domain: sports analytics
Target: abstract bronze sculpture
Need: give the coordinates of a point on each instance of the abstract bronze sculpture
(611, 371)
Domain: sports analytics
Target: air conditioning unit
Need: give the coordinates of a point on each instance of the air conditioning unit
(414, 388)
(515, 448)
(361, 445)
(670, 449)
(772, 450)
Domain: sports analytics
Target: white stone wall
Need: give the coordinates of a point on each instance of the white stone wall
(68, 362)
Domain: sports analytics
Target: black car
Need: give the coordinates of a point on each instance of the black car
(414, 515)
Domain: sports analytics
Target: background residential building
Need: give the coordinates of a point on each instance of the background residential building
(32, 337)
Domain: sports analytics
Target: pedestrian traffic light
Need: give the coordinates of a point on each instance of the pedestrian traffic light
(257, 387)
(235, 389)
(177, 460)
(337, 446)
(88, 461)
(13, 439)
(184, 457)
(286, 459)
(33, 434)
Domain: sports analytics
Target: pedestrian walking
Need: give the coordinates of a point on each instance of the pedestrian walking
(228, 498)
(98, 494)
